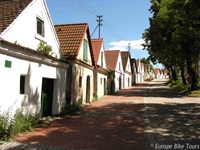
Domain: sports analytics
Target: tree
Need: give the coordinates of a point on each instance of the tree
(173, 37)
(147, 62)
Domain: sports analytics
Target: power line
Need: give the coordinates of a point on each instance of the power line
(94, 30)
(113, 33)
(81, 7)
(77, 7)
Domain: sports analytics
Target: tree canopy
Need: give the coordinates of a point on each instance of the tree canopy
(173, 37)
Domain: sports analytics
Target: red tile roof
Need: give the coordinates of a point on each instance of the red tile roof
(96, 48)
(70, 37)
(111, 58)
(156, 70)
(10, 10)
(125, 56)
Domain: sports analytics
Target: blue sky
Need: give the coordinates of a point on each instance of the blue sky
(124, 21)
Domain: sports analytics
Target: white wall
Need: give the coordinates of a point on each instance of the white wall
(34, 72)
(23, 30)
(101, 84)
(80, 92)
(104, 59)
(128, 75)
(80, 54)
(100, 76)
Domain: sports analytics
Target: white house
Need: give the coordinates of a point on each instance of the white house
(157, 73)
(140, 71)
(100, 70)
(126, 61)
(77, 50)
(31, 81)
(114, 64)
(134, 71)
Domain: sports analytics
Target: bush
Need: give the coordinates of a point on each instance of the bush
(12, 125)
(198, 80)
(6, 125)
(95, 97)
(24, 123)
(178, 86)
(44, 48)
(70, 109)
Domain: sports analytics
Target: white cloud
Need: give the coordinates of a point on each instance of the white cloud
(123, 45)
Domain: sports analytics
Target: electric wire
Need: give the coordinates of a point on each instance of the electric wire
(83, 8)
(89, 12)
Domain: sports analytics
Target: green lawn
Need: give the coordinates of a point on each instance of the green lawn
(183, 89)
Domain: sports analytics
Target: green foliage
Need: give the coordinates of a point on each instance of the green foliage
(12, 125)
(145, 61)
(185, 90)
(198, 80)
(95, 97)
(178, 86)
(44, 48)
(6, 125)
(25, 123)
(69, 109)
(173, 36)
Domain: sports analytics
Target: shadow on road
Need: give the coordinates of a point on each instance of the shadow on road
(149, 90)
(122, 126)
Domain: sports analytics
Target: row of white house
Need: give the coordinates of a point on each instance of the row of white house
(77, 68)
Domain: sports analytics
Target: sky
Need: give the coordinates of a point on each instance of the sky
(123, 21)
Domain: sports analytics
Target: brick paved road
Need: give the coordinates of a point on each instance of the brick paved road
(140, 117)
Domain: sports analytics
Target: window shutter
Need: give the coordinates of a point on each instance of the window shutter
(85, 51)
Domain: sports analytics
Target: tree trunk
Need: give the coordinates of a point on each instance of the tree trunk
(183, 75)
(174, 75)
(192, 73)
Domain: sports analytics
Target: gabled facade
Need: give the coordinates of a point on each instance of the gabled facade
(114, 64)
(157, 73)
(31, 81)
(100, 70)
(140, 71)
(165, 73)
(134, 71)
(77, 50)
(126, 61)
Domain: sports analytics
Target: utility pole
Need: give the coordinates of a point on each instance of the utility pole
(129, 46)
(99, 20)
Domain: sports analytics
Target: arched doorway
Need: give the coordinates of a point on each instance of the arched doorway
(88, 89)
(105, 86)
(120, 83)
(128, 82)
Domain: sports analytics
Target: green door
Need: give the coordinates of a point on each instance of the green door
(47, 97)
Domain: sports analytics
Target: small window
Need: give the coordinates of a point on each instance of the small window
(8, 64)
(80, 81)
(40, 27)
(101, 59)
(85, 50)
(101, 81)
(22, 84)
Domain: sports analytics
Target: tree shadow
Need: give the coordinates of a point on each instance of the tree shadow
(173, 124)
(148, 90)
(122, 126)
